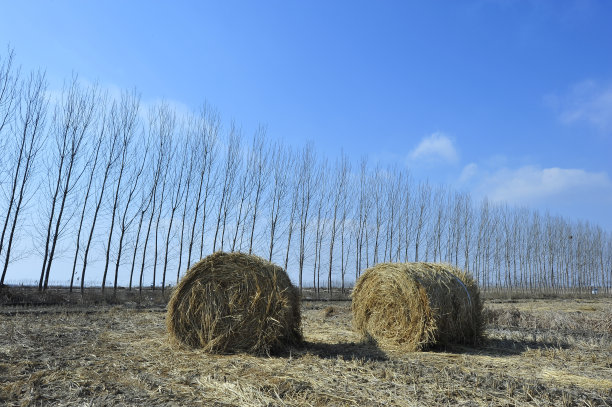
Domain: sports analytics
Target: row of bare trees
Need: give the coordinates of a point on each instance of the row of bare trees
(110, 191)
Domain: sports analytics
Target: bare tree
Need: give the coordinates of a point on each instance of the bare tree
(599, 248)
(509, 241)
(320, 204)
(133, 152)
(377, 185)
(145, 203)
(190, 149)
(30, 122)
(9, 98)
(522, 216)
(160, 126)
(322, 230)
(306, 188)
(403, 216)
(607, 262)
(198, 132)
(167, 125)
(123, 122)
(261, 172)
(423, 207)
(346, 205)
(392, 200)
(345, 247)
(468, 229)
(179, 174)
(111, 148)
(440, 216)
(456, 219)
(278, 192)
(295, 196)
(204, 130)
(410, 217)
(231, 164)
(210, 150)
(483, 221)
(363, 210)
(243, 194)
(134, 184)
(70, 125)
(338, 190)
(93, 161)
(250, 190)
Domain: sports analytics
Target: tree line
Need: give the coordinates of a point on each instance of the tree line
(142, 193)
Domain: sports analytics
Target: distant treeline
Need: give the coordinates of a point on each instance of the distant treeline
(143, 192)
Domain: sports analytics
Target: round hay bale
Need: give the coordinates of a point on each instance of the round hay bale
(414, 306)
(235, 302)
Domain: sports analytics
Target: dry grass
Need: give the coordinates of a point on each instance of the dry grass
(231, 302)
(414, 306)
(92, 296)
(556, 321)
(123, 356)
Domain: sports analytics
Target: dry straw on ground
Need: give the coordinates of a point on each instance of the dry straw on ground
(234, 302)
(101, 356)
(417, 305)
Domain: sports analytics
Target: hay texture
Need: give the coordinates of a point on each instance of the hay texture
(235, 302)
(414, 306)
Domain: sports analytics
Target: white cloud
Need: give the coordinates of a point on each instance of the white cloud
(570, 192)
(114, 93)
(588, 102)
(468, 172)
(532, 185)
(55, 95)
(180, 110)
(436, 148)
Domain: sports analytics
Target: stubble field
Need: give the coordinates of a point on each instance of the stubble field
(537, 352)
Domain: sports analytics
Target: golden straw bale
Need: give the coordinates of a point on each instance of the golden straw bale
(235, 302)
(414, 306)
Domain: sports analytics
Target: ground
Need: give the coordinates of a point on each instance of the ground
(537, 352)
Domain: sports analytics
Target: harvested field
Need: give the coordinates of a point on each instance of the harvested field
(546, 353)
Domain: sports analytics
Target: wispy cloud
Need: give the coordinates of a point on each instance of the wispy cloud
(532, 185)
(112, 92)
(435, 148)
(587, 102)
(468, 172)
(572, 192)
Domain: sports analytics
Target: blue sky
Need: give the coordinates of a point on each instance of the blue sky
(508, 99)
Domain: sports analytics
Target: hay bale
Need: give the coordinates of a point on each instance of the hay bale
(414, 306)
(233, 302)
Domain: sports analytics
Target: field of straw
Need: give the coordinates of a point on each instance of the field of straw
(544, 353)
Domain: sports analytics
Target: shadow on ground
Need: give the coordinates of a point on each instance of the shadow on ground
(366, 351)
(498, 347)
